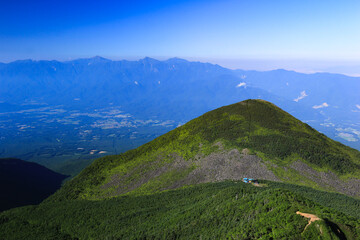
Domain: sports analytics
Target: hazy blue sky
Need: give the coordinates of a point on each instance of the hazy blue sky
(227, 31)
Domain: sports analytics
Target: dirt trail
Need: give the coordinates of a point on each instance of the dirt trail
(312, 217)
(258, 185)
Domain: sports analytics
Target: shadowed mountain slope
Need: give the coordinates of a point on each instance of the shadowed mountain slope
(23, 183)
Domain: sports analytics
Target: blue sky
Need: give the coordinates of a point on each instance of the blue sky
(227, 31)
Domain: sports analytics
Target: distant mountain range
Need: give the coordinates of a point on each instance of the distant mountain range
(63, 111)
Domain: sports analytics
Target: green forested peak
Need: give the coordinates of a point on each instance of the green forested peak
(284, 148)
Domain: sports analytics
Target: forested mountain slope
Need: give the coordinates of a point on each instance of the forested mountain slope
(222, 210)
(253, 138)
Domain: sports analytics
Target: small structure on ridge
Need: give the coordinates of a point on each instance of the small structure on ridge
(250, 180)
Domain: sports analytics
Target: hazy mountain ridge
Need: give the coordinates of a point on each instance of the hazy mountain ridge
(87, 79)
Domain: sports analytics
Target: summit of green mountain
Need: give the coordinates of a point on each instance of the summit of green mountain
(252, 138)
